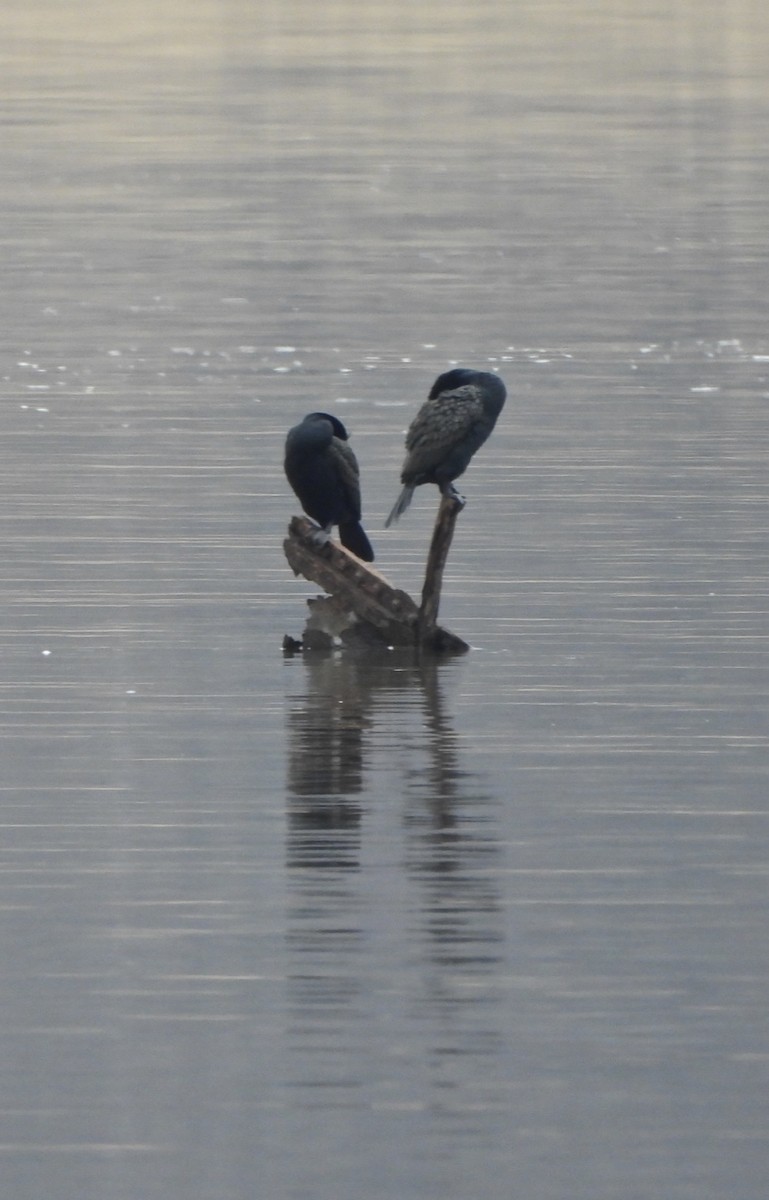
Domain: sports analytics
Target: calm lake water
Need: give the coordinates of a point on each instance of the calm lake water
(351, 925)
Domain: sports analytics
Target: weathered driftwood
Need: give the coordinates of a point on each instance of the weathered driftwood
(357, 589)
(361, 604)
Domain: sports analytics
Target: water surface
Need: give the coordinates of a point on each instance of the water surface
(344, 925)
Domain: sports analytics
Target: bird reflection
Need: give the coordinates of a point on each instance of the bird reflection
(326, 757)
(331, 739)
(411, 910)
(350, 704)
(325, 764)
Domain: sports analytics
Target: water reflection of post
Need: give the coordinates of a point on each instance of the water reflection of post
(452, 857)
(441, 746)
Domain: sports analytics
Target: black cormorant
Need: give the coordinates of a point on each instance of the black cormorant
(323, 471)
(457, 417)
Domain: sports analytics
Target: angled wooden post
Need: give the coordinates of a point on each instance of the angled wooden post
(449, 509)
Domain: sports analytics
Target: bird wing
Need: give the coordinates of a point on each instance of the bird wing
(440, 424)
(348, 474)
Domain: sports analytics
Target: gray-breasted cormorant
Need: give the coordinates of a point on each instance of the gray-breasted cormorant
(457, 417)
(323, 471)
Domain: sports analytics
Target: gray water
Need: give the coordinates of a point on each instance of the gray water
(337, 926)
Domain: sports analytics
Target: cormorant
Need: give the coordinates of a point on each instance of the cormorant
(323, 471)
(457, 417)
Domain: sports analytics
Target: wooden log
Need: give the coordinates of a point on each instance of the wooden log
(356, 586)
(449, 509)
(357, 589)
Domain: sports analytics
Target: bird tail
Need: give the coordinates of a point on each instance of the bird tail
(400, 506)
(353, 536)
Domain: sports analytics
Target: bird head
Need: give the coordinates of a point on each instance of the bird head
(337, 426)
(460, 377)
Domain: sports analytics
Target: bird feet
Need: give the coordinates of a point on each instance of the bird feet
(452, 492)
(320, 536)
